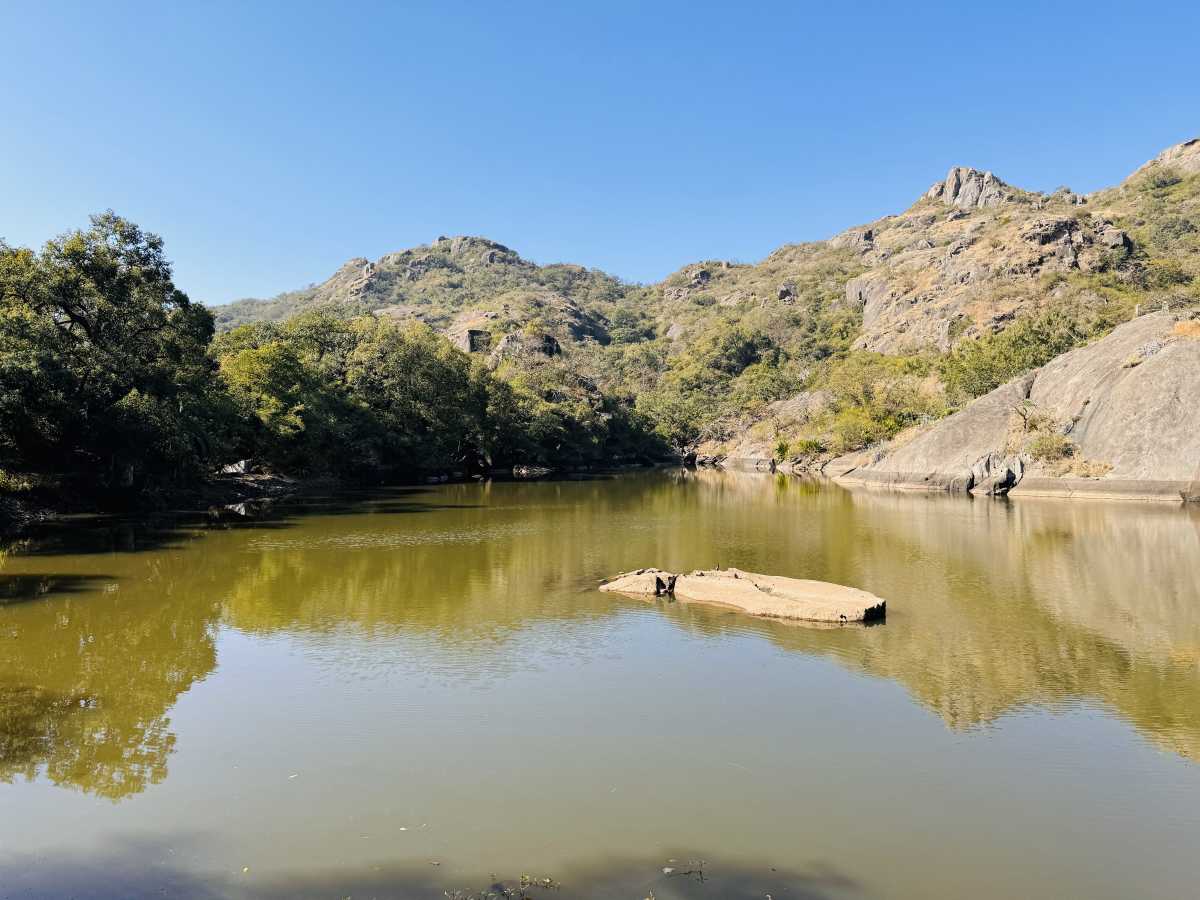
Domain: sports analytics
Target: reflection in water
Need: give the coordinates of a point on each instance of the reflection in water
(992, 604)
(88, 677)
(999, 604)
(449, 648)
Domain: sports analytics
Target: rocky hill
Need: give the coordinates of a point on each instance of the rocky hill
(973, 253)
(472, 288)
(967, 258)
(826, 346)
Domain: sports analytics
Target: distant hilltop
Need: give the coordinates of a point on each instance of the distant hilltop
(969, 256)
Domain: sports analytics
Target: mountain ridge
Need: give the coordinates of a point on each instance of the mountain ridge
(915, 290)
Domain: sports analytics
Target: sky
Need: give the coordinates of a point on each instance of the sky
(268, 143)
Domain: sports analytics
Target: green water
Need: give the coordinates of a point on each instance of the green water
(421, 691)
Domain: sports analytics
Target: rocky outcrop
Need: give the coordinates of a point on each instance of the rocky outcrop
(471, 331)
(953, 454)
(969, 188)
(766, 596)
(1183, 159)
(1124, 409)
(1131, 400)
(860, 239)
(472, 340)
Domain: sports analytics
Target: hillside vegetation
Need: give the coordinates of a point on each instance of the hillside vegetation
(826, 346)
(113, 388)
(462, 355)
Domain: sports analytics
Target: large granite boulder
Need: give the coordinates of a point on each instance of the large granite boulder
(953, 454)
(1128, 405)
(519, 344)
(1132, 400)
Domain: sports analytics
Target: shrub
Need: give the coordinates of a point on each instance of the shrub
(1051, 447)
(1159, 178)
(1170, 230)
(975, 368)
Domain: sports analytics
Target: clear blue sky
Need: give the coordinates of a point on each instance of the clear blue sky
(268, 143)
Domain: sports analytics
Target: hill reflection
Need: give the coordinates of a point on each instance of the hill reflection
(992, 605)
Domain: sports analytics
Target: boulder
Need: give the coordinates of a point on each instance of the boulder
(1143, 419)
(765, 596)
(472, 340)
(1113, 238)
(954, 453)
(1048, 231)
(860, 239)
(873, 294)
(1129, 404)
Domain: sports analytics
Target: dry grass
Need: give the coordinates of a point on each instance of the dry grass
(1187, 329)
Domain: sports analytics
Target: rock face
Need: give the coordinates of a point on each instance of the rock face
(950, 455)
(1132, 399)
(1128, 405)
(767, 596)
(968, 188)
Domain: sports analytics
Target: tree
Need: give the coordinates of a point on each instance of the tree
(103, 360)
(679, 420)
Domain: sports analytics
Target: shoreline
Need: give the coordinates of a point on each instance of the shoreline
(1066, 488)
(236, 494)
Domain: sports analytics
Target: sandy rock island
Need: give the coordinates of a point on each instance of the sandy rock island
(768, 596)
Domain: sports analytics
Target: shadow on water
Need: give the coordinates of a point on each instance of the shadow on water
(23, 588)
(153, 868)
(103, 534)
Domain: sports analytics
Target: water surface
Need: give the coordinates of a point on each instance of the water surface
(421, 691)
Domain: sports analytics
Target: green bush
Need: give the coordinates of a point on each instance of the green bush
(1050, 447)
(975, 368)
(1160, 178)
(809, 446)
(1169, 231)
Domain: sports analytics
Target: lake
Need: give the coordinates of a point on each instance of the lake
(420, 691)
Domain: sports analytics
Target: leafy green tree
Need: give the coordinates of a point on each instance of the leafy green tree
(422, 391)
(679, 420)
(103, 360)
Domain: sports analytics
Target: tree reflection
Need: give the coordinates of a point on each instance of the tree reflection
(88, 677)
(993, 605)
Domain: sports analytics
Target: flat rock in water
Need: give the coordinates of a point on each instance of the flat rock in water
(768, 596)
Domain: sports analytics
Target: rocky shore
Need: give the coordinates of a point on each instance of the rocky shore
(1118, 418)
